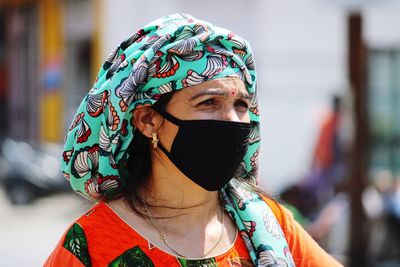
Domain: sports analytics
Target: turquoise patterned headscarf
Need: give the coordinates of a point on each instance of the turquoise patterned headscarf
(167, 55)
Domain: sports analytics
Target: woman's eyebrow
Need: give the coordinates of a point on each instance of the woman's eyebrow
(219, 92)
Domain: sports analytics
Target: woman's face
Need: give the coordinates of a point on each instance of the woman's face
(222, 99)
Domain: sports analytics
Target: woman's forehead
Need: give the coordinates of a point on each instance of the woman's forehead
(223, 87)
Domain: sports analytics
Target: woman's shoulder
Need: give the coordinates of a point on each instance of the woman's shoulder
(98, 221)
(290, 227)
(282, 214)
(100, 214)
(99, 234)
(72, 249)
(300, 242)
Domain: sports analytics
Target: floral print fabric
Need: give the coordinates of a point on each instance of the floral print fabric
(258, 226)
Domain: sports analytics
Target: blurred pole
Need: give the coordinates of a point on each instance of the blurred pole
(97, 37)
(359, 153)
(51, 52)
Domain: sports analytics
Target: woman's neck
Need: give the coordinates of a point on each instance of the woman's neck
(169, 193)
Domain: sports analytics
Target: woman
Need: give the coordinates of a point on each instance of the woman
(171, 118)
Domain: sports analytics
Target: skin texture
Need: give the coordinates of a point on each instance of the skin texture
(195, 226)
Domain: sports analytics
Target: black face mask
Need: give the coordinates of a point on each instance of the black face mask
(207, 151)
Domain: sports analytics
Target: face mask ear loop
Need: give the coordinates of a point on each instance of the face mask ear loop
(167, 116)
(170, 118)
(163, 149)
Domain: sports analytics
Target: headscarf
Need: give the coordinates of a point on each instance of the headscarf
(166, 55)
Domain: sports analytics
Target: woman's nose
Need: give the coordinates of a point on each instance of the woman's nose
(229, 114)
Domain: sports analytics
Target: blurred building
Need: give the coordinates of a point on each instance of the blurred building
(46, 49)
(384, 88)
(50, 51)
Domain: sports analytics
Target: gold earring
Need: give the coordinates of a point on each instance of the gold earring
(155, 140)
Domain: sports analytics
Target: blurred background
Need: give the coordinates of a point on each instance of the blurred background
(329, 87)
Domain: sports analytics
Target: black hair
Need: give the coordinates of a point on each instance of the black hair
(138, 165)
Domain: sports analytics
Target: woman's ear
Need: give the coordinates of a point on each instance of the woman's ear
(147, 120)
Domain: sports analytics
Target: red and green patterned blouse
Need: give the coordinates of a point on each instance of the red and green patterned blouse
(120, 245)
(101, 238)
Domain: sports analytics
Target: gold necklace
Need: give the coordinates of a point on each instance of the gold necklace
(164, 238)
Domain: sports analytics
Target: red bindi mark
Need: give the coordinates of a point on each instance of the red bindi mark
(233, 92)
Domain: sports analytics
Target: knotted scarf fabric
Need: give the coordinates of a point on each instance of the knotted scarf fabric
(167, 55)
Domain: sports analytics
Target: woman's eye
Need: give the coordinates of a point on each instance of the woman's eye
(242, 104)
(207, 102)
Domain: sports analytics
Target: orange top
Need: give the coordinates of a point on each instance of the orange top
(101, 238)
